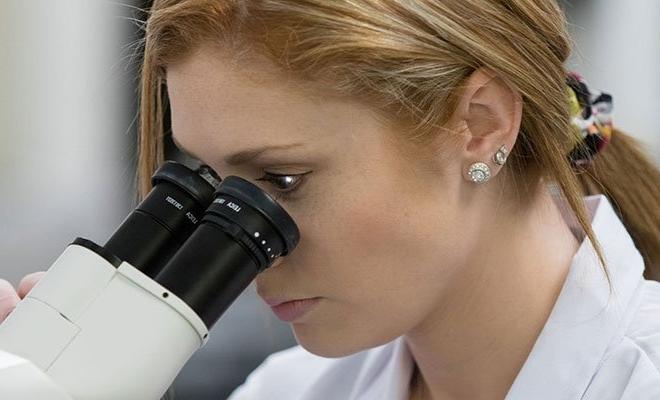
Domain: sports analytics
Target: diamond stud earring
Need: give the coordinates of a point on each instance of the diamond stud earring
(479, 172)
(499, 158)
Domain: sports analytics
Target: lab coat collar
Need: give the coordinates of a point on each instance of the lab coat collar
(573, 340)
(582, 322)
(385, 373)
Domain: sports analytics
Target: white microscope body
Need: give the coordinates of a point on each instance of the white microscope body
(119, 321)
(90, 330)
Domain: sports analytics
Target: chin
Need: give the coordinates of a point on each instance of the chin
(333, 343)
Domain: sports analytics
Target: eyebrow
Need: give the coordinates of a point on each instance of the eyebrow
(242, 156)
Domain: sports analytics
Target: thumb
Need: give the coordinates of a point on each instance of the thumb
(28, 281)
(8, 299)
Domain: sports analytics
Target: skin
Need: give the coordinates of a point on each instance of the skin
(393, 244)
(9, 297)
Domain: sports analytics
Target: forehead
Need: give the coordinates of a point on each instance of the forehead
(231, 102)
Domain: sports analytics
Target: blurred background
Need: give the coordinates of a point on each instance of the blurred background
(68, 103)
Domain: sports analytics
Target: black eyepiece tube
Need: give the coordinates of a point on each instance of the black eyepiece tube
(242, 233)
(164, 220)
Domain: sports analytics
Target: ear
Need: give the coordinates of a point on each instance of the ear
(490, 111)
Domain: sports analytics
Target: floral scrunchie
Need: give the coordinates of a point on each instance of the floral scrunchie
(591, 116)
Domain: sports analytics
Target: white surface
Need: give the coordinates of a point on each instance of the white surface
(74, 281)
(102, 333)
(178, 305)
(37, 332)
(20, 380)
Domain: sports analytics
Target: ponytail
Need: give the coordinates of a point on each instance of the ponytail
(625, 173)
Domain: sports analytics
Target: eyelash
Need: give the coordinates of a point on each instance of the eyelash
(286, 193)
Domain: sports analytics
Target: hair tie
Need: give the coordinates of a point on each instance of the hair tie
(591, 117)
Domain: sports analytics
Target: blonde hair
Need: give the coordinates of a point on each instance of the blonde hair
(408, 59)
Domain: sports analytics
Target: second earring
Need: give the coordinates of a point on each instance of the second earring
(499, 158)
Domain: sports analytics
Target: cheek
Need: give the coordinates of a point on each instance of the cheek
(385, 269)
(393, 247)
(369, 228)
(382, 254)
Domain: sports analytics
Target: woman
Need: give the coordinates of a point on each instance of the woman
(459, 194)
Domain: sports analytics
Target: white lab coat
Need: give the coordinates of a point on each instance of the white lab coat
(586, 351)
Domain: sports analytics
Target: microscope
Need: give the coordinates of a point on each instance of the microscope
(119, 321)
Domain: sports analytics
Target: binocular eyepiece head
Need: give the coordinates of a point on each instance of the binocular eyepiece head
(202, 237)
(181, 198)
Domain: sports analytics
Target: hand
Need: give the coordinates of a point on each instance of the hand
(10, 297)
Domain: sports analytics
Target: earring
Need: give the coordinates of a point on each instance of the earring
(479, 172)
(499, 158)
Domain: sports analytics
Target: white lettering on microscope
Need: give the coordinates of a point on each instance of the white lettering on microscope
(234, 206)
(191, 217)
(174, 202)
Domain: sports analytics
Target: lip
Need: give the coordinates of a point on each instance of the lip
(275, 301)
(291, 310)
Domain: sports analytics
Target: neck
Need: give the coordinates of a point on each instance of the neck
(475, 342)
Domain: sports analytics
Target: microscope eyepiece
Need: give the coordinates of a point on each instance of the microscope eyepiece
(164, 220)
(191, 181)
(242, 233)
(276, 221)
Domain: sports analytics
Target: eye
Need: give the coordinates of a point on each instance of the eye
(285, 184)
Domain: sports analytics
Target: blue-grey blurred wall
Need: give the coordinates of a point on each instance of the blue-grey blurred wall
(64, 111)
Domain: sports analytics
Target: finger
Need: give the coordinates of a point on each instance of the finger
(8, 299)
(28, 281)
